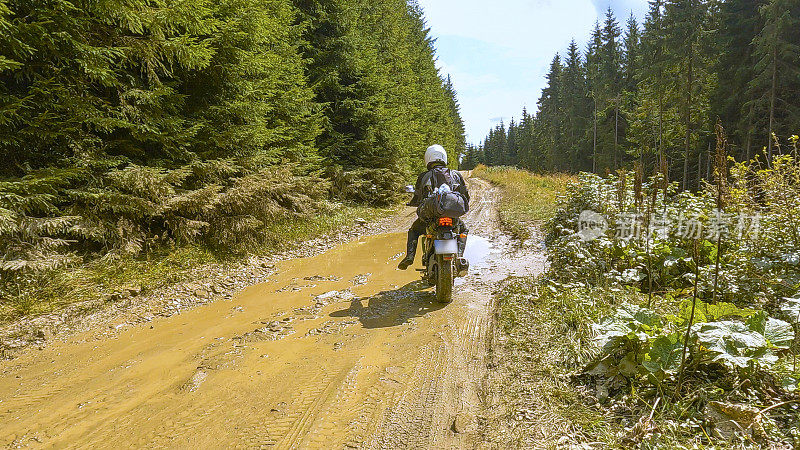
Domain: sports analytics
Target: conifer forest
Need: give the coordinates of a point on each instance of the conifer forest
(125, 124)
(653, 93)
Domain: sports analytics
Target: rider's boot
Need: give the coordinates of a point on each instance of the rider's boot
(411, 252)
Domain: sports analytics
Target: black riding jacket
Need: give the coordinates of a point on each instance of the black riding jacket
(424, 186)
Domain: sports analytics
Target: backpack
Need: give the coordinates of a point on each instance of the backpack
(446, 204)
(442, 175)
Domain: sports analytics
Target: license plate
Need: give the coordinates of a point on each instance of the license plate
(449, 246)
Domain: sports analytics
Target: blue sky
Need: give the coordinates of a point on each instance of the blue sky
(498, 53)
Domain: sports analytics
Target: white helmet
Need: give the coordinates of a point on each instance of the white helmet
(435, 153)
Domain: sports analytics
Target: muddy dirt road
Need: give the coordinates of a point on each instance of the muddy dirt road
(339, 350)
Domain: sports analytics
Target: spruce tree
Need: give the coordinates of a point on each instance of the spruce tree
(80, 79)
(126, 125)
(777, 52)
(687, 33)
(511, 153)
(576, 110)
(631, 56)
(594, 81)
(259, 104)
(551, 117)
(610, 77)
(458, 129)
(528, 156)
(740, 23)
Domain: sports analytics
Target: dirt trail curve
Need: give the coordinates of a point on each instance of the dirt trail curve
(340, 350)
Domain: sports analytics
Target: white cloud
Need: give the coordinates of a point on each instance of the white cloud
(526, 27)
(467, 80)
(498, 53)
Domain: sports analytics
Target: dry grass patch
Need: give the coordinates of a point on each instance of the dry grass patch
(528, 199)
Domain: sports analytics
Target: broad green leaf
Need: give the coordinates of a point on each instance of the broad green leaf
(758, 322)
(779, 333)
(709, 312)
(733, 343)
(723, 310)
(665, 355)
(627, 366)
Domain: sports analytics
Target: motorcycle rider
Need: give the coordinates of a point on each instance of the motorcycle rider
(435, 159)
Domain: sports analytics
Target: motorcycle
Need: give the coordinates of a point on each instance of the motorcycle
(441, 260)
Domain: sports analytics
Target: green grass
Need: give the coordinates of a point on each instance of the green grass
(160, 267)
(528, 198)
(539, 348)
(539, 351)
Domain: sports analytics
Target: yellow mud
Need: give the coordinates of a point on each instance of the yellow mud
(377, 364)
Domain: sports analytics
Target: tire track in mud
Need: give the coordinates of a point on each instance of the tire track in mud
(379, 365)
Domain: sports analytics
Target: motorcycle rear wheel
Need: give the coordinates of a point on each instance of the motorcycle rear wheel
(444, 280)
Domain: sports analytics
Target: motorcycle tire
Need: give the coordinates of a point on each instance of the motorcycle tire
(444, 280)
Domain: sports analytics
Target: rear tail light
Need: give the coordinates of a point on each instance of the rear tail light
(445, 222)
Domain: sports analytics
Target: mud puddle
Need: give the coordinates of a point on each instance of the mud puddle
(477, 250)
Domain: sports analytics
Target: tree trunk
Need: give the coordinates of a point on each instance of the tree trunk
(594, 138)
(660, 123)
(616, 133)
(690, 84)
(772, 105)
(700, 166)
(656, 155)
(748, 142)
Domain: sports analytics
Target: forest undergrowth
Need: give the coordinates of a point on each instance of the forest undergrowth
(667, 318)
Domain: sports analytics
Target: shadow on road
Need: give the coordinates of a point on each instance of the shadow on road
(392, 308)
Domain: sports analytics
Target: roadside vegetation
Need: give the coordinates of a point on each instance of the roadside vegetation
(682, 332)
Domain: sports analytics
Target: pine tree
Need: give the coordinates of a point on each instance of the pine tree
(551, 117)
(631, 70)
(467, 160)
(652, 92)
(647, 128)
(631, 56)
(528, 153)
(76, 80)
(594, 81)
(686, 35)
(777, 52)
(495, 146)
(740, 23)
(575, 110)
(259, 104)
(131, 124)
(459, 131)
(511, 153)
(610, 55)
